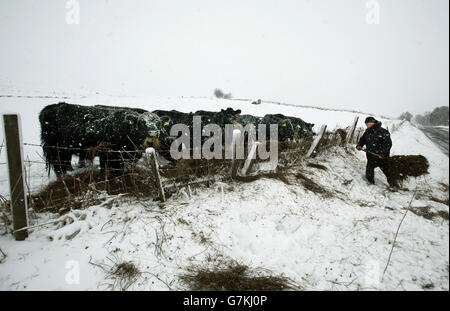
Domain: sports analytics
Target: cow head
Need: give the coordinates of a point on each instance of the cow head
(154, 129)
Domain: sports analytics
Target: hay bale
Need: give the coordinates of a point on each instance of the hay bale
(402, 166)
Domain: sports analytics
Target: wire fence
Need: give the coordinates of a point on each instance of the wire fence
(124, 175)
(68, 164)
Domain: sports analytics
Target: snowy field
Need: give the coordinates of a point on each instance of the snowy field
(340, 242)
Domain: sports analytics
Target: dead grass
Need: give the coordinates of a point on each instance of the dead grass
(442, 214)
(185, 170)
(423, 211)
(342, 136)
(301, 145)
(270, 175)
(235, 277)
(444, 201)
(123, 274)
(75, 192)
(428, 286)
(331, 139)
(316, 165)
(126, 272)
(311, 185)
(427, 213)
(444, 187)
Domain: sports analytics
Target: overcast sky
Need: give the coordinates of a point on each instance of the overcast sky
(310, 52)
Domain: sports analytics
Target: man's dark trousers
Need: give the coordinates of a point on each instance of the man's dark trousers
(373, 163)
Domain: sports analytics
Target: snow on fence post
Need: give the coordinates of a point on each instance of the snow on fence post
(358, 135)
(150, 154)
(18, 200)
(235, 143)
(352, 130)
(250, 159)
(355, 137)
(316, 141)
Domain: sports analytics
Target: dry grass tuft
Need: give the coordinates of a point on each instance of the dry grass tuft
(123, 274)
(234, 277)
(125, 271)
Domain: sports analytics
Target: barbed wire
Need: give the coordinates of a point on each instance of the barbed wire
(169, 181)
(107, 149)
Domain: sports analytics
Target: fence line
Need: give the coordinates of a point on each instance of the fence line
(167, 181)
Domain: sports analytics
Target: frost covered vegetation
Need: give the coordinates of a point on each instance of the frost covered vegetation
(313, 224)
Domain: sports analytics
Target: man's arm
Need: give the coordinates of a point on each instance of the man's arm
(387, 142)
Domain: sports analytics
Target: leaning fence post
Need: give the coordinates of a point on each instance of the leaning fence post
(358, 135)
(352, 130)
(18, 200)
(235, 143)
(355, 136)
(151, 157)
(316, 141)
(250, 159)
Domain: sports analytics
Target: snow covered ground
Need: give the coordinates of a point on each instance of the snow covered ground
(336, 242)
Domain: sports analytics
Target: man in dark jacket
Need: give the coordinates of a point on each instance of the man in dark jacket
(378, 145)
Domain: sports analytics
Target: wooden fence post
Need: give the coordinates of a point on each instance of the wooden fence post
(352, 130)
(358, 135)
(316, 141)
(151, 157)
(235, 143)
(250, 159)
(18, 200)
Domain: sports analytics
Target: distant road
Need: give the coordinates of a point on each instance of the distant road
(438, 134)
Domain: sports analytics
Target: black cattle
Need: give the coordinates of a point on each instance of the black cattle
(138, 110)
(105, 131)
(289, 128)
(170, 118)
(96, 131)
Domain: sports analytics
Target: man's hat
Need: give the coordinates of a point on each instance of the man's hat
(370, 120)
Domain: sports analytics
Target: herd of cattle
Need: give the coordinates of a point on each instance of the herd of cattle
(104, 131)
